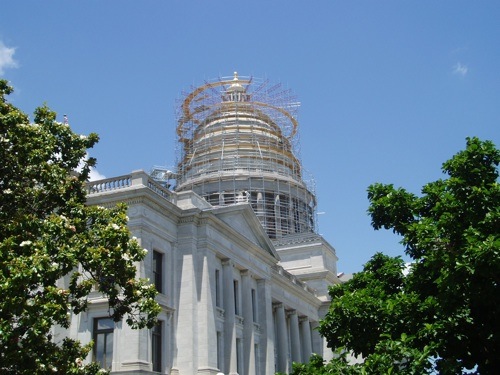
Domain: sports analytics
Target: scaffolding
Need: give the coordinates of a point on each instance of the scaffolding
(238, 143)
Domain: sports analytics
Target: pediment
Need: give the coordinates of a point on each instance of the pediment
(243, 220)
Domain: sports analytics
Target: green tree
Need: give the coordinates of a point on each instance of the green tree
(369, 316)
(443, 315)
(54, 249)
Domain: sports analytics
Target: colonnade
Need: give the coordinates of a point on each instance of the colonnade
(260, 335)
(293, 337)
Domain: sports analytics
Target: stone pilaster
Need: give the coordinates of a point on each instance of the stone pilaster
(186, 304)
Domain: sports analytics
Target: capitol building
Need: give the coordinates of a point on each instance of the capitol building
(232, 241)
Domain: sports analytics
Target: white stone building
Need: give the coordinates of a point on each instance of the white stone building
(232, 249)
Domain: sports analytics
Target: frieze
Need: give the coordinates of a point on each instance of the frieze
(191, 219)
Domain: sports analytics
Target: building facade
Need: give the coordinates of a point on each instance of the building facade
(232, 247)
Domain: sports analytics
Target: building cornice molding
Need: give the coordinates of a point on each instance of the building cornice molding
(298, 238)
(302, 242)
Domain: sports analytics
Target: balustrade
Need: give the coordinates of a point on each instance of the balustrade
(121, 182)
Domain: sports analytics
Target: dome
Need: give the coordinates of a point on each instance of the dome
(236, 86)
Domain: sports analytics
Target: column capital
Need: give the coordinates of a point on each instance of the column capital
(226, 262)
(303, 318)
(245, 272)
(290, 312)
(261, 281)
(277, 305)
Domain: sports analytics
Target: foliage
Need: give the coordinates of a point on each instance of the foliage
(442, 316)
(54, 249)
(391, 357)
(317, 366)
(368, 317)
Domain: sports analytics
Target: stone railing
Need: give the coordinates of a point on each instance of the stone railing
(109, 184)
(284, 273)
(136, 178)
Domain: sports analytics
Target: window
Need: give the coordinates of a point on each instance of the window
(158, 270)
(156, 346)
(218, 301)
(103, 342)
(254, 306)
(219, 350)
(236, 298)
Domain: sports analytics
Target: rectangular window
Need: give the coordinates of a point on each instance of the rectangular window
(219, 350)
(236, 298)
(103, 342)
(254, 306)
(218, 301)
(156, 346)
(158, 270)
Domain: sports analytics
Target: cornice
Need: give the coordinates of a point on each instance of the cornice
(301, 238)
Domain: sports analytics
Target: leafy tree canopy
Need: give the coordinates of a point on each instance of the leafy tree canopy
(441, 313)
(54, 250)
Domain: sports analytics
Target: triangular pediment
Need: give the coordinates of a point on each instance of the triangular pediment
(243, 220)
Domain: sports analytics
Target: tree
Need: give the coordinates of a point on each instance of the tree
(373, 316)
(442, 315)
(47, 235)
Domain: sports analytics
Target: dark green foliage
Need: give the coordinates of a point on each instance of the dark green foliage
(443, 315)
(47, 233)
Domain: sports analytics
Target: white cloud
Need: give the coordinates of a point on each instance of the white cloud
(95, 175)
(460, 69)
(6, 57)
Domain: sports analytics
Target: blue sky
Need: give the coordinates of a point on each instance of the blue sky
(389, 90)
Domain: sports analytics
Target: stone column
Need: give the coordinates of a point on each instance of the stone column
(265, 318)
(282, 339)
(305, 333)
(324, 350)
(248, 339)
(294, 335)
(230, 360)
(317, 340)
